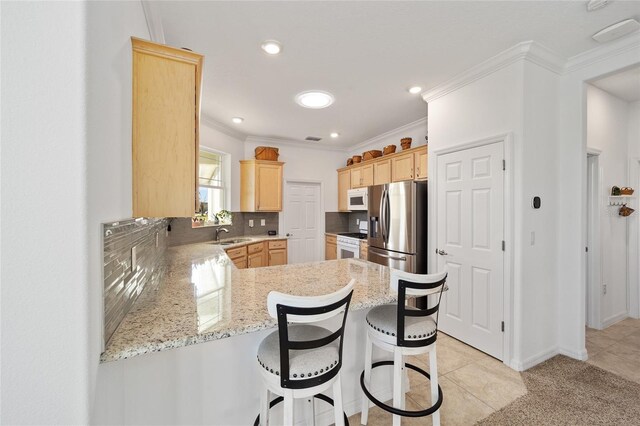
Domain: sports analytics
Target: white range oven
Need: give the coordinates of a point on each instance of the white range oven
(348, 243)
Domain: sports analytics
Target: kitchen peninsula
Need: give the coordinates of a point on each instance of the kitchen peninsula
(216, 315)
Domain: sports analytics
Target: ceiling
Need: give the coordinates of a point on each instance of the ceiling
(367, 54)
(624, 85)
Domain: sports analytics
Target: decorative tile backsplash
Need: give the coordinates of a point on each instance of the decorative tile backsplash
(122, 284)
(182, 232)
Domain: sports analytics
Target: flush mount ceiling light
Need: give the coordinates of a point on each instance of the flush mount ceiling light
(618, 30)
(415, 90)
(334, 135)
(314, 99)
(237, 120)
(271, 47)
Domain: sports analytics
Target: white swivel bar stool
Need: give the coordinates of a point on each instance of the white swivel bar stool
(404, 330)
(302, 360)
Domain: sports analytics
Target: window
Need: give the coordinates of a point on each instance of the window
(213, 190)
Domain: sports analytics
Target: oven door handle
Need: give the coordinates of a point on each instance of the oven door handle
(386, 256)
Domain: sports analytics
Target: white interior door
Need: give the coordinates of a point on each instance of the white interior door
(470, 231)
(302, 221)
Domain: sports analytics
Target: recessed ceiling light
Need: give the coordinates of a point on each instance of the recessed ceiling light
(237, 120)
(415, 90)
(334, 135)
(272, 47)
(315, 99)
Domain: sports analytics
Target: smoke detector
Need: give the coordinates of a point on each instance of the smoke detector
(615, 31)
(596, 4)
(313, 138)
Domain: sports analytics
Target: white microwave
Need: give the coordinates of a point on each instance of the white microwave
(358, 199)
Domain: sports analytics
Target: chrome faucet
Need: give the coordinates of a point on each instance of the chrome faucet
(218, 233)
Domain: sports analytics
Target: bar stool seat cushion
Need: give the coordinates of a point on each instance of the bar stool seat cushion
(383, 319)
(303, 364)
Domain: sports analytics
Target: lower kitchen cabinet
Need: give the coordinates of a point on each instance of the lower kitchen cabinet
(238, 256)
(330, 247)
(277, 252)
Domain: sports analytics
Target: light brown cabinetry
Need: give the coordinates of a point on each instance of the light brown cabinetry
(165, 128)
(260, 186)
(421, 164)
(255, 255)
(362, 176)
(344, 185)
(402, 167)
(382, 172)
(238, 256)
(277, 253)
(330, 247)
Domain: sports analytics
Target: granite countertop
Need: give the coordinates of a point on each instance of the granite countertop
(204, 297)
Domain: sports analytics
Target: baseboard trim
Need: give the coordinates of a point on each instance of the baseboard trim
(535, 360)
(614, 319)
(579, 355)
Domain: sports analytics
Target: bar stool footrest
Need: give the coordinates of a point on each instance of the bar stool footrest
(279, 399)
(394, 410)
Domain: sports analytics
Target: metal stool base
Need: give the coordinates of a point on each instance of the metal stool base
(394, 410)
(319, 396)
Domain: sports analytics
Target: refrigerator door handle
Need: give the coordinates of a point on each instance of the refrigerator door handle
(382, 215)
(387, 216)
(400, 258)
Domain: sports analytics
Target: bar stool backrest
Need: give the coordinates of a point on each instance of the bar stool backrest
(306, 310)
(409, 284)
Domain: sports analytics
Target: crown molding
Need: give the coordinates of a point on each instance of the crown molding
(216, 125)
(389, 133)
(601, 53)
(154, 21)
(527, 50)
(293, 142)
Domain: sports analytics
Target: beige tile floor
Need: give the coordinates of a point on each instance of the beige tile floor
(473, 383)
(616, 348)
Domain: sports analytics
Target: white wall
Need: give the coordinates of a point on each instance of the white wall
(633, 221)
(416, 130)
(571, 168)
(519, 100)
(608, 131)
(45, 296)
(308, 164)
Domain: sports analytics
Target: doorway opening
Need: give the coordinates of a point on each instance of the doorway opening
(592, 249)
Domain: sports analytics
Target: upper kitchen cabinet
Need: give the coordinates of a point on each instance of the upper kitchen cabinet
(381, 172)
(420, 160)
(402, 167)
(260, 186)
(344, 185)
(362, 176)
(166, 111)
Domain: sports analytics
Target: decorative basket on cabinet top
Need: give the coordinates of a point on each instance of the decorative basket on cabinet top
(267, 153)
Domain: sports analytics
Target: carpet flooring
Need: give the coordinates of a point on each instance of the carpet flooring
(563, 391)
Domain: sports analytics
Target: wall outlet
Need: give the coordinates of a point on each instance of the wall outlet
(134, 258)
(263, 222)
(357, 221)
(604, 289)
(250, 223)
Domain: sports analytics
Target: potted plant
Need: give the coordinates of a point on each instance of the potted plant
(224, 217)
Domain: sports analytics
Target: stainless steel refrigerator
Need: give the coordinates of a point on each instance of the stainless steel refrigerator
(398, 226)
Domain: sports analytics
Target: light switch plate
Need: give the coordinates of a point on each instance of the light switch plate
(134, 258)
(250, 223)
(263, 222)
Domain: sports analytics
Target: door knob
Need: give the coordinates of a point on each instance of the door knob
(442, 252)
(289, 235)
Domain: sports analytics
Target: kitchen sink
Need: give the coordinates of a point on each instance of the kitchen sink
(236, 241)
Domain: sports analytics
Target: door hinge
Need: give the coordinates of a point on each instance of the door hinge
(502, 326)
(504, 164)
(503, 245)
(586, 249)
